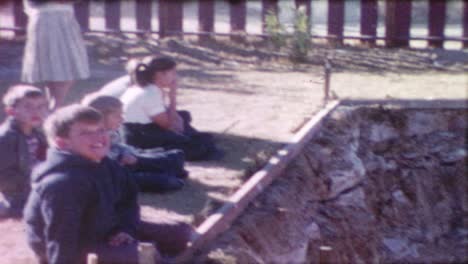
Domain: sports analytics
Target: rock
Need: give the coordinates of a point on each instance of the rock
(420, 122)
(382, 132)
(400, 248)
(453, 156)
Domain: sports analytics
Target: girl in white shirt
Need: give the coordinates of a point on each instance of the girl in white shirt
(149, 122)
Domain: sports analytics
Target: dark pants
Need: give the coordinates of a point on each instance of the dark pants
(169, 237)
(196, 145)
(158, 170)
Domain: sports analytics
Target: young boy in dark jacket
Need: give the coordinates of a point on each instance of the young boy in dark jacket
(155, 170)
(22, 145)
(83, 202)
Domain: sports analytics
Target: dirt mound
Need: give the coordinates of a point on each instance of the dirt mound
(375, 185)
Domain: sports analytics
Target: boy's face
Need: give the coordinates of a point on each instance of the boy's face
(114, 119)
(89, 140)
(30, 111)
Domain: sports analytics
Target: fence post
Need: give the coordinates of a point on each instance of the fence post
(206, 17)
(20, 18)
(326, 85)
(465, 23)
(237, 9)
(170, 18)
(268, 5)
(437, 14)
(335, 21)
(369, 20)
(112, 15)
(397, 23)
(143, 15)
(82, 14)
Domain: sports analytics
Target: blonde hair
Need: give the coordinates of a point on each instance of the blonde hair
(18, 92)
(103, 103)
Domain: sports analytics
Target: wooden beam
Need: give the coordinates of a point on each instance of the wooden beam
(19, 17)
(237, 15)
(222, 219)
(369, 14)
(336, 11)
(170, 18)
(143, 15)
(397, 23)
(82, 14)
(437, 15)
(465, 23)
(112, 14)
(206, 17)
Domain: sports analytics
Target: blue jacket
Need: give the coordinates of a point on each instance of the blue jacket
(75, 204)
(15, 161)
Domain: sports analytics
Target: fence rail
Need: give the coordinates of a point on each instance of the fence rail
(170, 17)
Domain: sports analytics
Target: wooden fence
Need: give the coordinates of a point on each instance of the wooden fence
(170, 17)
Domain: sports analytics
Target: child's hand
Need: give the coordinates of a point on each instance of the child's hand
(120, 239)
(128, 159)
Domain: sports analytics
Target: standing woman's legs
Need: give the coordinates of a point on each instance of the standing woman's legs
(56, 92)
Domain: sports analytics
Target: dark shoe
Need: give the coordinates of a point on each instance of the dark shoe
(216, 155)
(173, 184)
(183, 174)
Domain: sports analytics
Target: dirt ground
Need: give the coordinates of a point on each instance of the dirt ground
(253, 100)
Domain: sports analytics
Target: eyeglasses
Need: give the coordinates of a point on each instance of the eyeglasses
(94, 133)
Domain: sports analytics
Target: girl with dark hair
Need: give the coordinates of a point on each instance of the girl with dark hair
(150, 123)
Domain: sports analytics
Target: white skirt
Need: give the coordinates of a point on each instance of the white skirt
(55, 49)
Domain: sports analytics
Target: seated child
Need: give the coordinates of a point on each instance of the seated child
(82, 202)
(149, 122)
(154, 169)
(22, 145)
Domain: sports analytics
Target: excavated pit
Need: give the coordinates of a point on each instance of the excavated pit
(376, 184)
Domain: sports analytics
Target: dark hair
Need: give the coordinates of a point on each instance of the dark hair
(142, 73)
(59, 123)
(103, 103)
(17, 92)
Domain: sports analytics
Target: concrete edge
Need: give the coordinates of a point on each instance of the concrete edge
(410, 103)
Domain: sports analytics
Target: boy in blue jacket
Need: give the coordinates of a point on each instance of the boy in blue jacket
(82, 202)
(22, 145)
(154, 170)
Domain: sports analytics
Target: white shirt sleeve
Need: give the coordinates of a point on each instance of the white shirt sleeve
(116, 87)
(154, 101)
(140, 105)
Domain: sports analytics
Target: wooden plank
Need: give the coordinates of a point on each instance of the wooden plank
(19, 17)
(397, 23)
(268, 6)
(437, 15)
(82, 14)
(223, 218)
(465, 23)
(206, 17)
(143, 15)
(369, 14)
(112, 14)
(170, 18)
(336, 10)
(238, 18)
